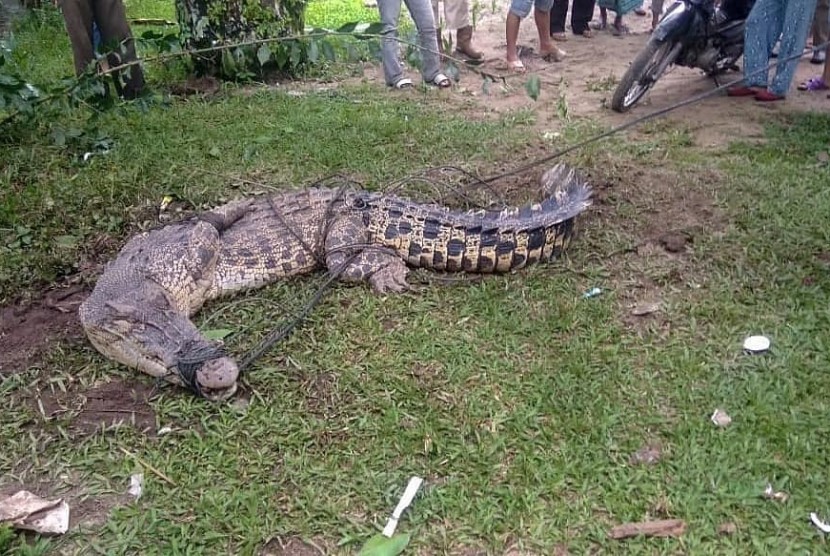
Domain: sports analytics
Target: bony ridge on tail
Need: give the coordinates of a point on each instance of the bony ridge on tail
(139, 313)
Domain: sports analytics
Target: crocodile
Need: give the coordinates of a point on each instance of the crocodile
(139, 313)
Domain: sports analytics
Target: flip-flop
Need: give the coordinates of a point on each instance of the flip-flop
(403, 83)
(553, 56)
(516, 66)
(441, 81)
(561, 37)
(813, 84)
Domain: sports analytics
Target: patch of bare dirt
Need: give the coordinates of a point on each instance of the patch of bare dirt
(112, 404)
(28, 330)
(583, 83)
(291, 546)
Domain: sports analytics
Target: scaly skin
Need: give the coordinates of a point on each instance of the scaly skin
(139, 313)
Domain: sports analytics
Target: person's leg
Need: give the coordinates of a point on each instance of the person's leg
(436, 16)
(112, 21)
(798, 15)
(558, 15)
(762, 29)
(826, 74)
(656, 12)
(618, 28)
(390, 14)
(547, 48)
(421, 12)
(519, 9)
(457, 13)
(77, 15)
(821, 30)
(581, 15)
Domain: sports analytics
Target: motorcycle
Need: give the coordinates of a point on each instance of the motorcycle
(693, 34)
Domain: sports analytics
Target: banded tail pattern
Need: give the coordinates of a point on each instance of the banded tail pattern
(481, 241)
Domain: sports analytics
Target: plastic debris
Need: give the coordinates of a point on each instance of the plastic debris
(823, 526)
(25, 510)
(593, 292)
(721, 418)
(408, 495)
(136, 485)
(661, 528)
(645, 308)
(756, 344)
(165, 202)
(164, 430)
(771, 494)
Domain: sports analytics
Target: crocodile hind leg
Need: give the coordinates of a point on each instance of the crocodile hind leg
(349, 256)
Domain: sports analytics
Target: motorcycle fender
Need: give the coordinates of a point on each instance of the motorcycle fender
(733, 32)
(676, 22)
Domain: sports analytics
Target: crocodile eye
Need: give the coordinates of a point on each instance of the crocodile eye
(359, 203)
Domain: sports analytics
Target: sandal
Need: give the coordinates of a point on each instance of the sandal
(587, 33)
(620, 30)
(561, 37)
(441, 81)
(403, 83)
(813, 84)
(516, 66)
(556, 55)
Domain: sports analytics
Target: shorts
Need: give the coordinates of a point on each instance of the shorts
(521, 8)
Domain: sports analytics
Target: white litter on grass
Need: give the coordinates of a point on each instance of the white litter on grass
(823, 527)
(408, 495)
(136, 485)
(593, 292)
(772, 494)
(25, 510)
(720, 418)
(164, 430)
(756, 344)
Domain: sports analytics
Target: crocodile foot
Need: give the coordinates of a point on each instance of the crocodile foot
(391, 278)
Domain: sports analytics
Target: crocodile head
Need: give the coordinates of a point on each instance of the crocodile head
(160, 342)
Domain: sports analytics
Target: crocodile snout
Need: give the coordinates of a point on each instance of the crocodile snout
(217, 378)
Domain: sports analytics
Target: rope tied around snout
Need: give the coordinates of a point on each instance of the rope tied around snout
(192, 360)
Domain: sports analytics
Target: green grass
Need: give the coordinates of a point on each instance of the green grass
(331, 14)
(517, 399)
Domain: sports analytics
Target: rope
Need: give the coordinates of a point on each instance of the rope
(657, 113)
(283, 331)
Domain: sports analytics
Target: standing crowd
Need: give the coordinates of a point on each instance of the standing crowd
(773, 28)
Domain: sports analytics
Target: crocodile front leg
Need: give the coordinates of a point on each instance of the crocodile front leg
(353, 259)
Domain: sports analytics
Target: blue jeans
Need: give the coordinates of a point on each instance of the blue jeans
(421, 12)
(521, 8)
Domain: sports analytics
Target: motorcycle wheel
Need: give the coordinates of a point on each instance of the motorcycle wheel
(641, 75)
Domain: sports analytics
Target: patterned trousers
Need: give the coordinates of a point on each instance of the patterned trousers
(768, 20)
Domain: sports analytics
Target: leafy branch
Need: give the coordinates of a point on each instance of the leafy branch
(19, 98)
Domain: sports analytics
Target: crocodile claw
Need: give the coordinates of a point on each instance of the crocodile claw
(390, 279)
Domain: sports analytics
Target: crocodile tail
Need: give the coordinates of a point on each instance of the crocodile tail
(567, 190)
(487, 241)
